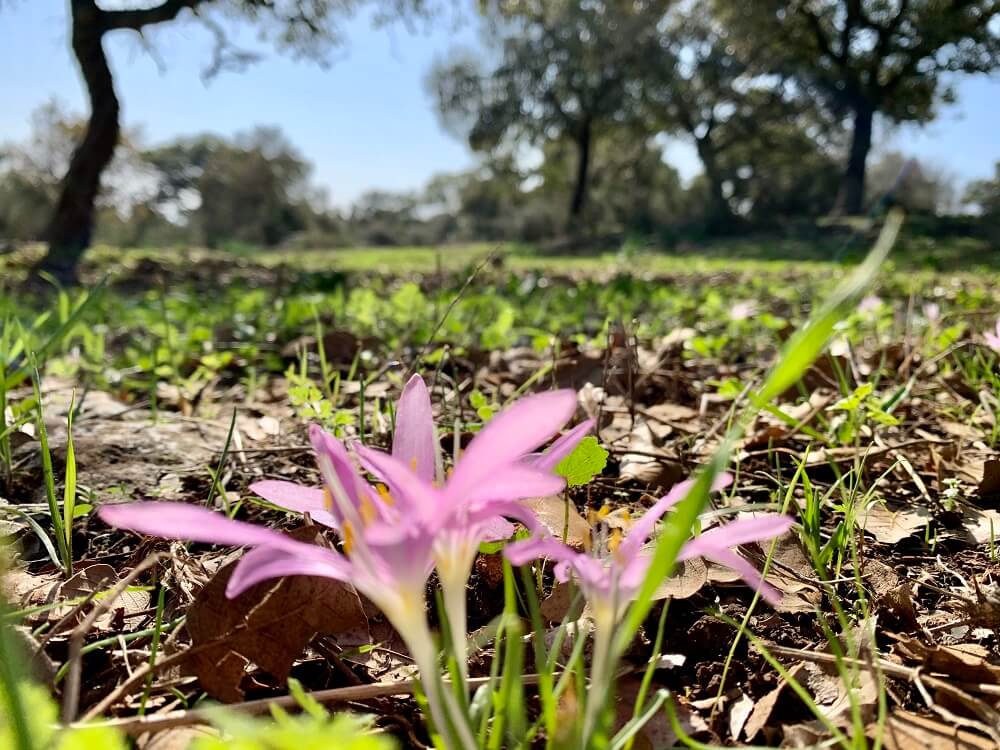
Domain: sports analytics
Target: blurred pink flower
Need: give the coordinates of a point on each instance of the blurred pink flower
(871, 303)
(609, 584)
(743, 310)
(993, 338)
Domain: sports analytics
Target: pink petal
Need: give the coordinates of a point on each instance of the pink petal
(335, 463)
(298, 498)
(512, 482)
(741, 531)
(496, 530)
(290, 495)
(526, 550)
(413, 440)
(496, 509)
(190, 522)
(265, 563)
(644, 527)
(563, 446)
(407, 487)
(511, 434)
(747, 572)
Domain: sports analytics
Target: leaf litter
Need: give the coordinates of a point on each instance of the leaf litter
(927, 524)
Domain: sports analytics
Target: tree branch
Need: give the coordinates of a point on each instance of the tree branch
(137, 20)
(819, 34)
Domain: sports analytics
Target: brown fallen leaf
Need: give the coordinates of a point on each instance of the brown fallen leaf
(268, 625)
(980, 526)
(789, 573)
(687, 580)
(738, 715)
(561, 518)
(966, 661)
(834, 698)
(175, 738)
(761, 715)
(645, 462)
(657, 732)
(557, 604)
(908, 731)
(989, 485)
(892, 525)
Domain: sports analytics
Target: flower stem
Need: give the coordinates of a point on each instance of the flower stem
(456, 609)
(600, 667)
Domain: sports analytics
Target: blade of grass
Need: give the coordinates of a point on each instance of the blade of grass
(59, 531)
(217, 475)
(69, 484)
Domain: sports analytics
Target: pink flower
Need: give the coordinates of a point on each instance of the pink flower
(393, 537)
(870, 304)
(489, 478)
(609, 584)
(495, 471)
(743, 310)
(932, 312)
(993, 339)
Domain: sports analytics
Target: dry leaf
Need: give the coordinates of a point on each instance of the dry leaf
(646, 463)
(892, 525)
(657, 732)
(965, 662)
(907, 731)
(989, 485)
(833, 697)
(175, 738)
(268, 625)
(688, 579)
(790, 567)
(761, 715)
(980, 526)
(739, 714)
(556, 605)
(561, 518)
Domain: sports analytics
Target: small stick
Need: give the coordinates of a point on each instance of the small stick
(911, 674)
(136, 725)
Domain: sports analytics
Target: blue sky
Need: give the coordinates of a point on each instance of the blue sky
(366, 121)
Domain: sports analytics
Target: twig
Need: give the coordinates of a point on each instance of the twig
(911, 674)
(137, 725)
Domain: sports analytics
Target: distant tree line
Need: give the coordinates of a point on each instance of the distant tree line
(254, 190)
(779, 98)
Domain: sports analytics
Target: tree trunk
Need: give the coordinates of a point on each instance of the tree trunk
(579, 199)
(851, 199)
(719, 209)
(72, 225)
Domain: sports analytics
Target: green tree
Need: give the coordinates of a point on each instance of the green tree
(915, 185)
(31, 172)
(565, 71)
(864, 58)
(253, 189)
(306, 27)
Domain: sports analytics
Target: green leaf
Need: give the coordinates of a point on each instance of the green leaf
(586, 461)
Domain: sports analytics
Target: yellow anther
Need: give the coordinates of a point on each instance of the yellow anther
(384, 495)
(614, 540)
(604, 511)
(348, 537)
(413, 463)
(327, 499)
(367, 510)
